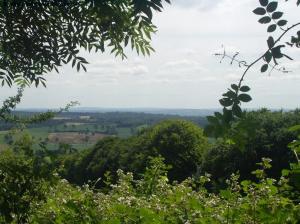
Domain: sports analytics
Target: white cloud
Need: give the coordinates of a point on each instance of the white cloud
(200, 4)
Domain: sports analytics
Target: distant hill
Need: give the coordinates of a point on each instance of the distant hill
(165, 111)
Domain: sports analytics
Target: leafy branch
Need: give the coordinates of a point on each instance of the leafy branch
(10, 104)
(37, 37)
(220, 123)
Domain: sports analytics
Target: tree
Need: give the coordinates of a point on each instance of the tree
(40, 36)
(180, 142)
(269, 139)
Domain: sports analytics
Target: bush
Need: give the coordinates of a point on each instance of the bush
(20, 186)
(130, 201)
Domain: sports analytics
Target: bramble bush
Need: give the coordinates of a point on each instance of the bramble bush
(131, 201)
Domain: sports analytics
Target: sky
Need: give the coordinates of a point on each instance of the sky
(183, 72)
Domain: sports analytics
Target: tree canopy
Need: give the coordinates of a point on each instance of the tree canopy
(181, 143)
(38, 36)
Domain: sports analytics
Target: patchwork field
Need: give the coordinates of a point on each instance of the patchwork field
(75, 138)
(83, 129)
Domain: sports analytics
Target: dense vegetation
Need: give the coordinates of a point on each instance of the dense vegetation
(267, 135)
(165, 166)
(181, 143)
(184, 147)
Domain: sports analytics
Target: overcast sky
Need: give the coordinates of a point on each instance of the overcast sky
(183, 73)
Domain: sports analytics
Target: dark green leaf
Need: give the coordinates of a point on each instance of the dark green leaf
(268, 56)
(271, 42)
(264, 2)
(245, 98)
(245, 89)
(234, 86)
(277, 15)
(264, 20)
(272, 28)
(272, 6)
(230, 94)
(276, 51)
(226, 102)
(264, 68)
(78, 66)
(259, 11)
(282, 22)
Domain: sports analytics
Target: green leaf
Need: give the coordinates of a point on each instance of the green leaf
(277, 15)
(244, 98)
(264, 2)
(226, 194)
(264, 20)
(282, 23)
(259, 11)
(272, 28)
(272, 6)
(230, 94)
(226, 102)
(245, 89)
(285, 172)
(74, 62)
(78, 67)
(234, 86)
(148, 12)
(276, 51)
(264, 68)
(268, 57)
(271, 42)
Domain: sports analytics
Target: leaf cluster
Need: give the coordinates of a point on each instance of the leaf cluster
(220, 123)
(38, 37)
(231, 102)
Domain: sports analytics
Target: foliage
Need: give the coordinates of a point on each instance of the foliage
(39, 36)
(179, 142)
(130, 201)
(22, 180)
(221, 123)
(295, 166)
(267, 136)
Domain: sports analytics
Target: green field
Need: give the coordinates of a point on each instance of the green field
(41, 133)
